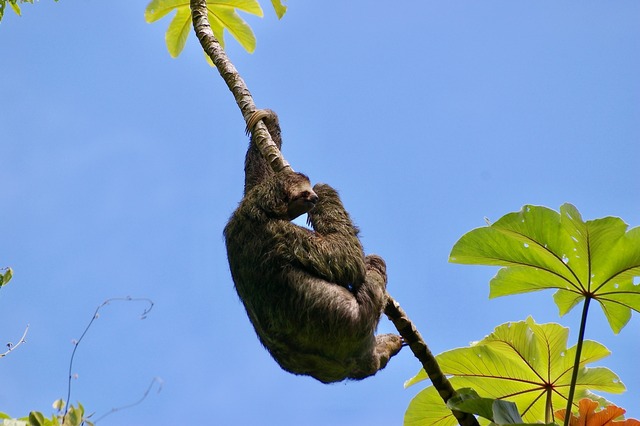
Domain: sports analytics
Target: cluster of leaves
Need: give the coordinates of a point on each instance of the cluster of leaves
(73, 417)
(15, 5)
(222, 15)
(529, 363)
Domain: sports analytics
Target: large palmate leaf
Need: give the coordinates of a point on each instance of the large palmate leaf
(523, 362)
(544, 249)
(222, 15)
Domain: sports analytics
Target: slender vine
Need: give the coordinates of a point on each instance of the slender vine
(156, 380)
(270, 151)
(76, 343)
(11, 347)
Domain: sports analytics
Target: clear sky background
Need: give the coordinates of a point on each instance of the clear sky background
(120, 167)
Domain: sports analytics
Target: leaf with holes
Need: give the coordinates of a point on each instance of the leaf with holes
(522, 362)
(543, 249)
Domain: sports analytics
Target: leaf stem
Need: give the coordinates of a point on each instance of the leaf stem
(548, 408)
(576, 363)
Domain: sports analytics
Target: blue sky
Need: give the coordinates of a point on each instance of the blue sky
(120, 167)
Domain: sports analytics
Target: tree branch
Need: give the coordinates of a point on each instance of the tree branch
(245, 102)
(412, 337)
(13, 347)
(236, 84)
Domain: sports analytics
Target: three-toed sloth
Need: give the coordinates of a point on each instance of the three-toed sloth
(313, 297)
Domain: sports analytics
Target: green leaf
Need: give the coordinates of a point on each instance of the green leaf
(468, 401)
(238, 28)
(280, 8)
(16, 8)
(178, 31)
(221, 13)
(58, 404)
(543, 249)
(505, 413)
(522, 362)
(157, 9)
(4, 416)
(36, 419)
(498, 411)
(73, 417)
(426, 408)
(5, 276)
(218, 30)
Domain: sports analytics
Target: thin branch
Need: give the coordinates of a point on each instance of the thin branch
(13, 347)
(95, 316)
(416, 343)
(157, 380)
(236, 84)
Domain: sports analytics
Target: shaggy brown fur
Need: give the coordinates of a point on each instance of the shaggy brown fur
(313, 298)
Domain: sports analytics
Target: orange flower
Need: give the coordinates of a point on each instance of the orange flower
(587, 415)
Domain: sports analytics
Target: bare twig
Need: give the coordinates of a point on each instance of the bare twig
(13, 347)
(95, 316)
(157, 380)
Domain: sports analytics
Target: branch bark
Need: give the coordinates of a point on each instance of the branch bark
(416, 343)
(11, 347)
(235, 83)
(270, 151)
